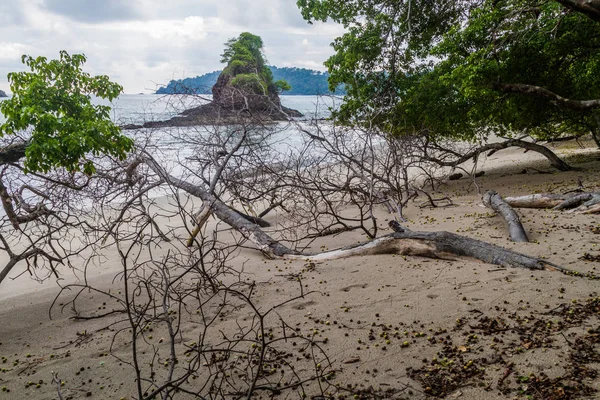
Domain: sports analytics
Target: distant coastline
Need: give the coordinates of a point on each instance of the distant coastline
(303, 81)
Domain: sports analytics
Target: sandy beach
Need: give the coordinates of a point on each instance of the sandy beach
(392, 326)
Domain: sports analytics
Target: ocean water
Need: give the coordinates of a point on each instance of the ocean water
(138, 109)
(169, 145)
(141, 108)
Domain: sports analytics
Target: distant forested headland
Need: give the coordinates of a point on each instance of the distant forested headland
(302, 80)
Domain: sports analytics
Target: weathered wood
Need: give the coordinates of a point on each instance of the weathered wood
(516, 231)
(584, 202)
(270, 247)
(539, 200)
(574, 201)
(592, 206)
(200, 219)
(595, 209)
(256, 220)
(13, 152)
(434, 245)
(425, 244)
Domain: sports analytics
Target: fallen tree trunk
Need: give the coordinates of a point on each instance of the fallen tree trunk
(540, 200)
(581, 203)
(595, 209)
(403, 241)
(574, 201)
(590, 205)
(435, 245)
(270, 247)
(516, 231)
(256, 220)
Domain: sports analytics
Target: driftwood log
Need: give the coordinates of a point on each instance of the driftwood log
(580, 203)
(402, 241)
(434, 245)
(493, 200)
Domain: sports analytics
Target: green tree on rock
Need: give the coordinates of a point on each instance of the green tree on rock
(246, 74)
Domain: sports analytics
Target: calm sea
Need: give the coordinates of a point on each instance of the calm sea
(137, 109)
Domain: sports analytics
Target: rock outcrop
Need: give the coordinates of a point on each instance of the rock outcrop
(244, 93)
(2, 94)
(230, 109)
(229, 106)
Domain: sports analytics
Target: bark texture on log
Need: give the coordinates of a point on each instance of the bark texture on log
(516, 231)
(574, 201)
(595, 209)
(539, 200)
(270, 247)
(435, 245)
(581, 203)
(591, 206)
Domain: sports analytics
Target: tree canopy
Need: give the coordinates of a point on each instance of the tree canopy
(246, 66)
(461, 69)
(52, 106)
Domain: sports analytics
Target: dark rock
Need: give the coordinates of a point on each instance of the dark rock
(229, 106)
(2, 94)
(131, 126)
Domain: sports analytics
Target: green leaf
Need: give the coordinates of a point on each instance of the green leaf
(53, 101)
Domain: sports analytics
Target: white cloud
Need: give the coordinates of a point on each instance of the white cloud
(191, 27)
(12, 51)
(140, 42)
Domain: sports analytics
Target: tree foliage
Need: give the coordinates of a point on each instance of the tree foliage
(52, 104)
(464, 68)
(246, 65)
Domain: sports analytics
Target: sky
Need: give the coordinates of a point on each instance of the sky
(145, 43)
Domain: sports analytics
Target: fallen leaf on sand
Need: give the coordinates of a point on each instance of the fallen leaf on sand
(352, 360)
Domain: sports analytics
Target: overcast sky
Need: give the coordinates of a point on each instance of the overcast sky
(142, 43)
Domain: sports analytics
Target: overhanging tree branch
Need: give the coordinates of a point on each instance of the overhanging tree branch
(554, 98)
(554, 160)
(590, 8)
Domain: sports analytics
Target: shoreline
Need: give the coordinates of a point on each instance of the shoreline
(410, 294)
(494, 165)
